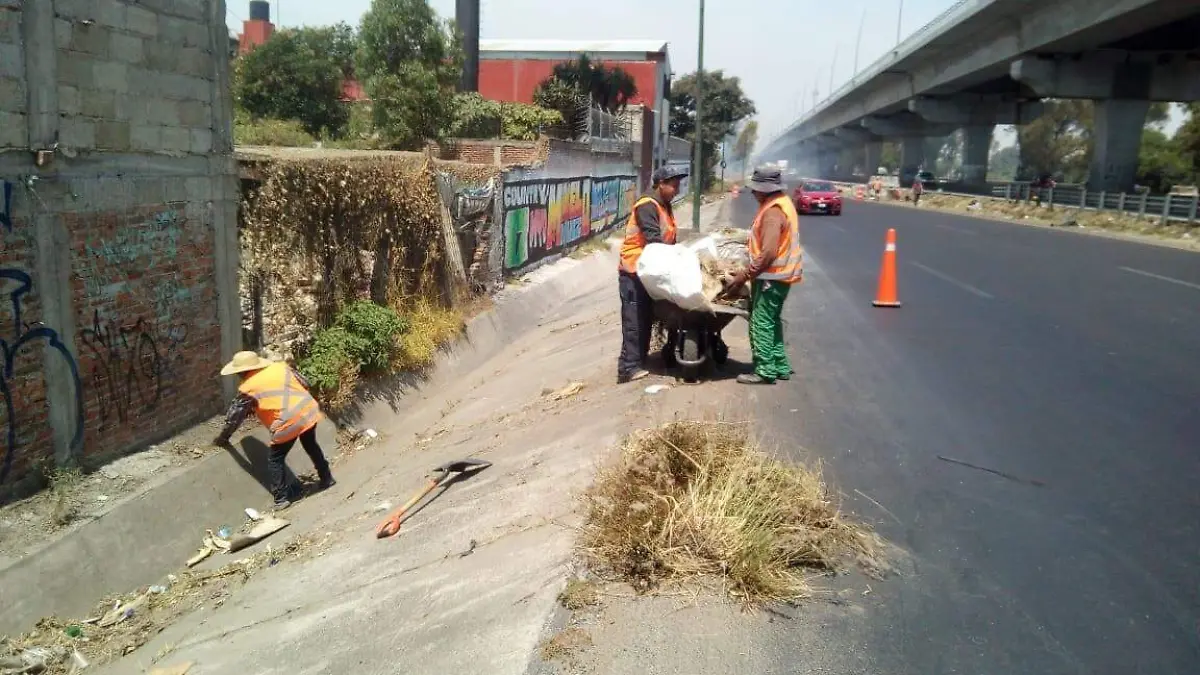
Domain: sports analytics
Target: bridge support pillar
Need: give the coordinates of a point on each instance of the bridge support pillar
(912, 156)
(874, 152)
(1117, 141)
(977, 145)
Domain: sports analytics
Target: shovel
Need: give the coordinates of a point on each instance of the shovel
(438, 477)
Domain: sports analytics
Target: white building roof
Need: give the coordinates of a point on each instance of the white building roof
(574, 46)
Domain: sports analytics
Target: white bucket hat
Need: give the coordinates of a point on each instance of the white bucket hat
(243, 361)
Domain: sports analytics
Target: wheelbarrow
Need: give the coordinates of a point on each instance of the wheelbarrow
(695, 336)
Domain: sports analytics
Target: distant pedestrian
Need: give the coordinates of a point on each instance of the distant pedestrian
(776, 264)
(651, 222)
(279, 396)
(918, 188)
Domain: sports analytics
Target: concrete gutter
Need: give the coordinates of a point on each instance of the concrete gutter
(152, 531)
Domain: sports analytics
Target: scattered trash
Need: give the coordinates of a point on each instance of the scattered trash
(201, 555)
(382, 506)
(253, 514)
(74, 632)
(224, 532)
(121, 612)
(157, 589)
(31, 660)
(657, 388)
(101, 498)
(470, 549)
(213, 541)
(567, 391)
(371, 433)
(78, 660)
(257, 533)
(974, 205)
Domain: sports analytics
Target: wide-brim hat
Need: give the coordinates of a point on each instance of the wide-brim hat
(244, 361)
(765, 180)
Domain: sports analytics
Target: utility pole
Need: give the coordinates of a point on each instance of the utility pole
(466, 15)
(831, 68)
(899, 20)
(697, 180)
(858, 42)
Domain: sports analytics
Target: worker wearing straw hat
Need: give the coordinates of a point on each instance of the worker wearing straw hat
(279, 396)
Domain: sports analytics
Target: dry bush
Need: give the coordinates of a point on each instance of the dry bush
(430, 327)
(694, 500)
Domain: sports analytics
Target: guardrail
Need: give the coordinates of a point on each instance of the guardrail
(1180, 208)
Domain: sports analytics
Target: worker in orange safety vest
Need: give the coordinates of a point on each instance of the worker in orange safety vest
(279, 397)
(776, 264)
(651, 222)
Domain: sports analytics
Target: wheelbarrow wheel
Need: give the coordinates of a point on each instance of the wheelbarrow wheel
(668, 351)
(691, 352)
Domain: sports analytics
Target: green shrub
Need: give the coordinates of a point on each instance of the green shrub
(363, 339)
(278, 133)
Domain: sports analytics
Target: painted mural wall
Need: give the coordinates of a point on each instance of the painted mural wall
(543, 217)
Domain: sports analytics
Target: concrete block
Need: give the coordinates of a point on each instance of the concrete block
(111, 76)
(14, 132)
(63, 30)
(12, 95)
(112, 135)
(175, 190)
(98, 103)
(145, 137)
(176, 139)
(162, 55)
(76, 9)
(142, 21)
(12, 61)
(90, 39)
(143, 81)
(200, 89)
(165, 112)
(197, 35)
(10, 27)
(149, 191)
(127, 49)
(199, 189)
(75, 70)
(110, 13)
(196, 62)
(202, 141)
(77, 133)
(194, 113)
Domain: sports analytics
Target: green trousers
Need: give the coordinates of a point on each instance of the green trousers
(766, 329)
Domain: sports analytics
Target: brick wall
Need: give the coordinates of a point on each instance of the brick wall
(484, 151)
(120, 242)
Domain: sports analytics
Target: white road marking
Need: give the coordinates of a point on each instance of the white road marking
(1160, 277)
(947, 278)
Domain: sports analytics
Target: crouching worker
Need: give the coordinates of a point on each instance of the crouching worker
(280, 398)
(652, 222)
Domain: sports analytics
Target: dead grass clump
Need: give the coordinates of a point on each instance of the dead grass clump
(430, 327)
(564, 644)
(697, 499)
(578, 594)
(63, 498)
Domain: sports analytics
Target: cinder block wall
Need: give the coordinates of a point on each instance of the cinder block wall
(118, 241)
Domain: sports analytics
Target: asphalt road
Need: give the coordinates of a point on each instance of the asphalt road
(1057, 358)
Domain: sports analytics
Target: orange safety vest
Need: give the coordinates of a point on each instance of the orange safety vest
(787, 267)
(635, 240)
(285, 408)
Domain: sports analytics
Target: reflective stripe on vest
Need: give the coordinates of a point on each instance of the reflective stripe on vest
(789, 257)
(284, 407)
(635, 240)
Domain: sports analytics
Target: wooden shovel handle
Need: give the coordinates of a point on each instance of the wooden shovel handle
(391, 524)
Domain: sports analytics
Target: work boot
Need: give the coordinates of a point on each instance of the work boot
(326, 483)
(754, 378)
(636, 375)
(281, 505)
(786, 376)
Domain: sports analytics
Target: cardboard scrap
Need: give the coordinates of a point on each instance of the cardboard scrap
(567, 391)
(260, 531)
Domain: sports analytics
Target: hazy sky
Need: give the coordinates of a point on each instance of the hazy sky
(780, 54)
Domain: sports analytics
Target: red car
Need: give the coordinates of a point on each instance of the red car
(818, 196)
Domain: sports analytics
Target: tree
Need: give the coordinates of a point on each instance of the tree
(1002, 165)
(743, 147)
(1188, 139)
(409, 62)
(477, 117)
(724, 106)
(570, 103)
(294, 76)
(1158, 114)
(1058, 142)
(609, 88)
(1161, 162)
(889, 157)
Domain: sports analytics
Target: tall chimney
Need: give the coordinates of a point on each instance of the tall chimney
(466, 14)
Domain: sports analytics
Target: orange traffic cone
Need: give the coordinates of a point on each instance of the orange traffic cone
(886, 295)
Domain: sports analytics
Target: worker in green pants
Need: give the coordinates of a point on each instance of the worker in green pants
(775, 264)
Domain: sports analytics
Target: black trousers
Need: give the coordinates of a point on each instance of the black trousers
(637, 317)
(277, 462)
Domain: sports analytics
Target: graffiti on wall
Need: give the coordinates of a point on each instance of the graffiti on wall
(36, 341)
(541, 217)
(131, 368)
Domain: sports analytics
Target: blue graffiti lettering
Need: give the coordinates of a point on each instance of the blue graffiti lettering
(6, 205)
(28, 335)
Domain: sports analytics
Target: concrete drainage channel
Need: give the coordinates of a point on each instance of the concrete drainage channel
(152, 531)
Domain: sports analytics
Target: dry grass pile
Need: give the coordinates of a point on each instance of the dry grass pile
(147, 612)
(698, 500)
(430, 327)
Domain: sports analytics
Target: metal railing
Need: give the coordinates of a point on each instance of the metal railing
(1169, 207)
